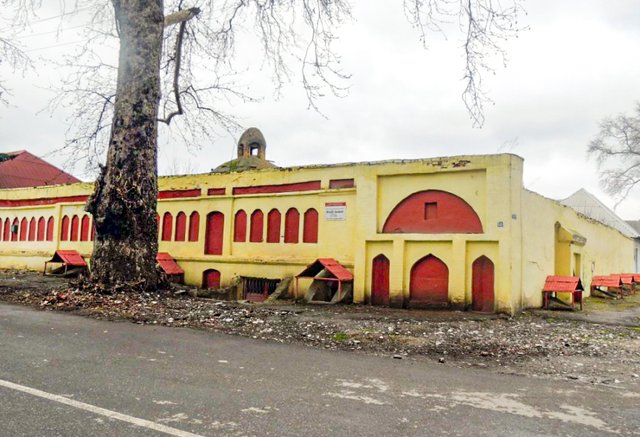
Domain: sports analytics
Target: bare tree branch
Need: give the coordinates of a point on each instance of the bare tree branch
(616, 148)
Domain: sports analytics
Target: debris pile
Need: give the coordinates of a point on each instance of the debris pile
(524, 344)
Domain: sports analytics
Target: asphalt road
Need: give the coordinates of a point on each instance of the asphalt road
(64, 375)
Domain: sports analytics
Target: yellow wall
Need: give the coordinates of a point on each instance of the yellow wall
(518, 232)
(606, 250)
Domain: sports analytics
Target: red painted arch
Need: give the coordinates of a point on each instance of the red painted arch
(273, 226)
(380, 280)
(41, 229)
(429, 283)
(482, 287)
(433, 212)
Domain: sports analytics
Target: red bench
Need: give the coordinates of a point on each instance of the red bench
(562, 284)
(612, 283)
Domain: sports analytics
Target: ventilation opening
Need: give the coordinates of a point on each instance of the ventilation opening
(258, 289)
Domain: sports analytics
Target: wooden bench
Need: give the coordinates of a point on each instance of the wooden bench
(72, 264)
(629, 282)
(562, 284)
(612, 283)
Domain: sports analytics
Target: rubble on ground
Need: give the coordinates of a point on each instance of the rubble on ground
(526, 344)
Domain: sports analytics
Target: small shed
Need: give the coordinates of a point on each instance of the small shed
(72, 263)
(612, 283)
(332, 282)
(170, 267)
(570, 285)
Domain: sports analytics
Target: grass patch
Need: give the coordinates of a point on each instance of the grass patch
(340, 336)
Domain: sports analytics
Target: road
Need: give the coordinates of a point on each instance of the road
(64, 375)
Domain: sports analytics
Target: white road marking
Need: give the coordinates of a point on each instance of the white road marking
(97, 410)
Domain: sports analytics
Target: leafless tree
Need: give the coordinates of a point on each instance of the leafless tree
(177, 59)
(617, 150)
(15, 16)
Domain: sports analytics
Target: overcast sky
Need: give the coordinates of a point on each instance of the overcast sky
(576, 64)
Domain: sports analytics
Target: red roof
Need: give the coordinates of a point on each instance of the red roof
(69, 257)
(331, 265)
(562, 283)
(629, 278)
(168, 264)
(606, 281)
(22, 169)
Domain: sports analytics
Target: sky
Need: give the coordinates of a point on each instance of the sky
(576, 64)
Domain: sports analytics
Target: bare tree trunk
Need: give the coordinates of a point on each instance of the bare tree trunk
(124, 202)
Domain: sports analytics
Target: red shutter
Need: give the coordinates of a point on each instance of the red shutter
(310, 232)
(214, 234)
(240, 227)
(50, 229)
(167, 223)
(23, 229)
(41, 229)
(84, 228)
(75, 224)
(7, 230)
(194, 226)
(32, 229)
(291, 226)
(64, 229)
(257, 225)
(181, 226)
(273, 226)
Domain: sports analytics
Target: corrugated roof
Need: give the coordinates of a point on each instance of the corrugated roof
(586, 203)
(22, 169)
(606, 281)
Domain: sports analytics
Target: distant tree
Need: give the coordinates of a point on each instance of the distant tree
(173, 61)
(617, 150)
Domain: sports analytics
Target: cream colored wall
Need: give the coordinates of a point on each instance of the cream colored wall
(606, 250)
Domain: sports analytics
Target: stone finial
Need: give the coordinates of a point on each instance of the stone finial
(252, 143)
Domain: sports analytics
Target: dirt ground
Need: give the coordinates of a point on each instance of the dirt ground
(600, 345)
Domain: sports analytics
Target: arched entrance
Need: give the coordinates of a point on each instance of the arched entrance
(482, 287)
(429, 284)
(214, 233)
(211, 279)
(380, 280)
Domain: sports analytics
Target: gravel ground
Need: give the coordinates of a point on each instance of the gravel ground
(528, 344)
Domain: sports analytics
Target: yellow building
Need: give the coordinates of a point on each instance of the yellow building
(459, 231)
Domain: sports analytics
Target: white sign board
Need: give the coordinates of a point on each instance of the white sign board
(335, 210)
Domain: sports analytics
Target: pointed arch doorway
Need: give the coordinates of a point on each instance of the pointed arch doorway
(429, 283)
(482, 287)
(380, 281)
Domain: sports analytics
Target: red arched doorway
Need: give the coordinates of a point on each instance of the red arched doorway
(429, 284)
(380, 281)
(214, 233)
(211, 279)
(482, 292)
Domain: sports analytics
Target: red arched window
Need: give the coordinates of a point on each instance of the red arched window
(310, 231)
(194, 226)
(75, 227)
(181, 226)
(167, 223)
(240, 227)
(291, 226)
(14, 229)
(211, 279)
(213, 239)
(257, 225)
(32, 229)
(84, 228)
(273, 226)
(24, 224)
(7, 230)
(433, 212)
(64, 229)
(380, 280)
(50, 229)
(41, 229)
